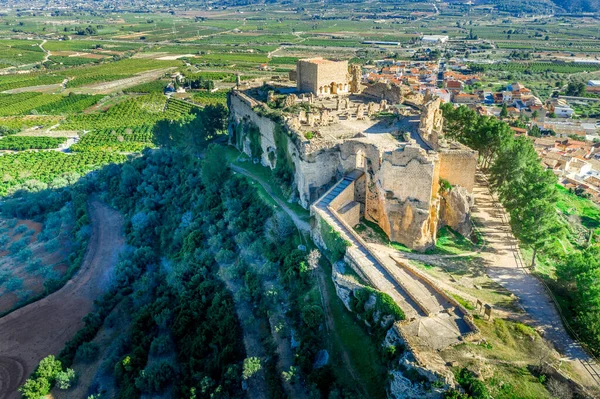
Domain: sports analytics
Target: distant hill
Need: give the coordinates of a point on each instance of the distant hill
(578, 5)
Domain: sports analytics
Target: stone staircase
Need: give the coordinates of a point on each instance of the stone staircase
(432, 319)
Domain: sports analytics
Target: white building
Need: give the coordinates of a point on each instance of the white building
(563, 111)
(436, 39)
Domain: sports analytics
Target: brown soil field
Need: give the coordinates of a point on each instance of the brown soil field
(31, 333)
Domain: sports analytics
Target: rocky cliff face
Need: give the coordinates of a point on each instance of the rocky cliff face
(455, 210)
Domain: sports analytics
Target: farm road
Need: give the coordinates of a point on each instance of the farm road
(30, 333)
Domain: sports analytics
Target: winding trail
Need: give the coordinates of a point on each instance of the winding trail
(48, 53)
(30, 333)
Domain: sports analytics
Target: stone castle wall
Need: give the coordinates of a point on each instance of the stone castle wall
(458, 167)
(399, 190)
(306, 77)
(312, 176)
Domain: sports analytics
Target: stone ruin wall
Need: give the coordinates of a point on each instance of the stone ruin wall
(393, 94)
(458, 167)
(399, 191)
(313, 174)
(431, 122)
(406, 212)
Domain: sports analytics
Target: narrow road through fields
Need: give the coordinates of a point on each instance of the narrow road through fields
(29, 334)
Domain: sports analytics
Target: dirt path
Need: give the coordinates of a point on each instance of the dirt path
(300, 224)
(48, 53)
(29, 334)
(505, 266)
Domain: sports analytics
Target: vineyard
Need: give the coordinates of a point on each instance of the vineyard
(156, 86)
(538, 67)
(18, 52)
(115, 70)
(45, 166)
(177, 108)
(137, 111)
(31, 102)
(9, 82)
(73, 61)
(17, 123)
(24, 103)
(19, 143)
(73, 103)
(208, 98)
(121, 139)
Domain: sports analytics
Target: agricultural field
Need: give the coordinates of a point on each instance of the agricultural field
(33, 256)
(116, 140)
(537, 67)
(84, 88)
(20, 143)
(208, 98)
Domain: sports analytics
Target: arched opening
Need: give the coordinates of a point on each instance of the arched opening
(333, 88)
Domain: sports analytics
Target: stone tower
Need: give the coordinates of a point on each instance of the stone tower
(355, 78)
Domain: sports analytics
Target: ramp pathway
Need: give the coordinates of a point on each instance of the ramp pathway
(434, 322)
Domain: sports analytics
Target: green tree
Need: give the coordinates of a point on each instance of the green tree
(504, 111)
(49, 367)
(510, 164)
(35, 388)
(65, 379)
(252, 366)
(214, 167)
(534, 115)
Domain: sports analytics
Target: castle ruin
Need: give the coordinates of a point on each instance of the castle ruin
(389, 138)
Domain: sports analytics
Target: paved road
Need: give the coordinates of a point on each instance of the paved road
(504, 266)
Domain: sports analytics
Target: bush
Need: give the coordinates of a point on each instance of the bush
(251, 367)
(155, 378)
(48, 368)
(472, 385)
(65, 379)
(34, 388)
(39, 384)
(21, 229)
(87, 352)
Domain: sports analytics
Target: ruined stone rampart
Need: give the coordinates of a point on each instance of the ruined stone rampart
(390, 92)
(474, 333)
(409, 164)
(458, 167)
(312, 173)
